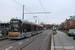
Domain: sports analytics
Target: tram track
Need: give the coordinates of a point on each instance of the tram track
(22, 43)
(43, 42)
(31, 42)
(28, 43)
(8, 42)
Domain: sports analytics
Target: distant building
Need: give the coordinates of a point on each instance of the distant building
(68, 22)
(4, 25)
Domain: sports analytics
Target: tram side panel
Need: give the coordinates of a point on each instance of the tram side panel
(27, 30)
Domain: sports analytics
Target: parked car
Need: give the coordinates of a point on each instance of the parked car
(74, 35)
(5, 31)
(71, 31)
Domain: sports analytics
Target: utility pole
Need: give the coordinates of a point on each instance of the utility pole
(38, 20)
(23, 13)
(0, 24)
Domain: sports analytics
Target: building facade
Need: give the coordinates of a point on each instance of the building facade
(68, 22)
(4, 25)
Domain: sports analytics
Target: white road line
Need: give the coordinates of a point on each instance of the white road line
(20, 42)
(27, 39)
(9, 48)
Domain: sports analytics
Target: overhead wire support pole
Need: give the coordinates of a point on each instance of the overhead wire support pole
(23, 13)
(38, 20)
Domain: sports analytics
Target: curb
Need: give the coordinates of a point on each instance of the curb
(52, 42)
(3, 39)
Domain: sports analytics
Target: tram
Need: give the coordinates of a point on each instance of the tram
(20, 28)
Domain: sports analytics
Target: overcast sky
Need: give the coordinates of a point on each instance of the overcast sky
(60, 10)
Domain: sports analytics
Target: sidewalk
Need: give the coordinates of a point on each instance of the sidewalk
(63, 42)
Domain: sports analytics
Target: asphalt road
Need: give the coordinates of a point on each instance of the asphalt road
(37, 42)
(63, 41)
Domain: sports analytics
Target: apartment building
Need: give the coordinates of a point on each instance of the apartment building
(68, 22)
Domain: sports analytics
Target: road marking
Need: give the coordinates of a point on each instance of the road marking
(27, 39)
(20, 42)
(9, 48)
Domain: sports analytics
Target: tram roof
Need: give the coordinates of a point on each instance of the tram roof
(27, 21)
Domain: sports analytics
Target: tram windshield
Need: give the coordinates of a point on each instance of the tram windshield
(14, 27)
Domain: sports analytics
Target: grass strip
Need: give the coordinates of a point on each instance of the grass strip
(3, 36)
(64, 31)
(54, 33)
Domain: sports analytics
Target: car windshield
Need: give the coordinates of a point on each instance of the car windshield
(72, 30)
(14, 27)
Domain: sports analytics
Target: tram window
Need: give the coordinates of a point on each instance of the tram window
(36, 28)
(24, 28)
(29, 28)
(32, 28)
(39, 28)
(14, 27)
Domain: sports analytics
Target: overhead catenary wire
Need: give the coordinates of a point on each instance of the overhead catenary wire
(15, 1)
(42, 5)
(30, 11)
(44, 9)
